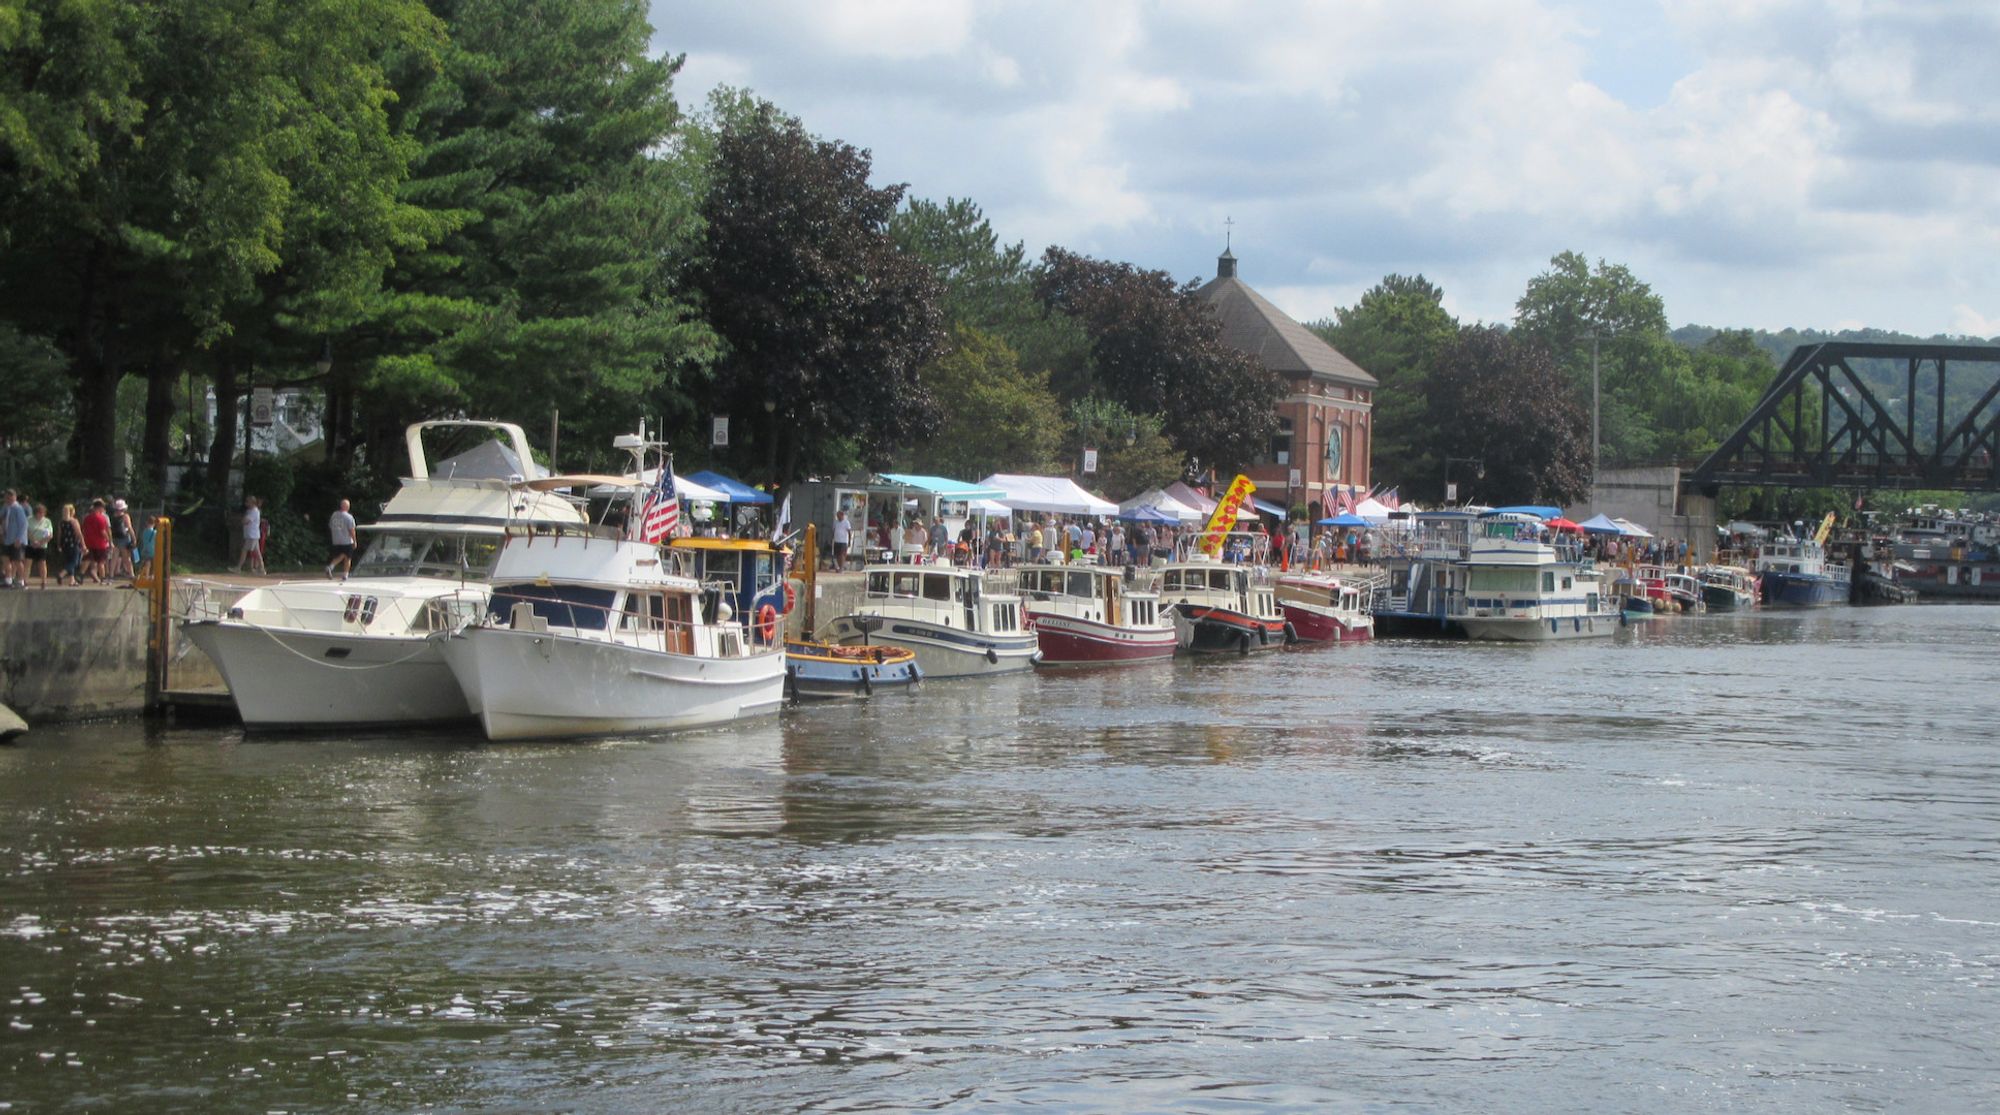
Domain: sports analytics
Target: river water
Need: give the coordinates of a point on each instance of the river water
(1715, 863)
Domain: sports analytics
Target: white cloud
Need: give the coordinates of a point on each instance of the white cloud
(1779, 162)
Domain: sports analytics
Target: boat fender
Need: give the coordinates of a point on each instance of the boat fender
(1291, 635)
(867, 686)
(992, 657)
(791, 598)
(1243, 643)
(792, 684)
(767, 623)
(1263, 636)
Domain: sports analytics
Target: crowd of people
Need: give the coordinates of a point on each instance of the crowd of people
(1078, 539)
(101, 546)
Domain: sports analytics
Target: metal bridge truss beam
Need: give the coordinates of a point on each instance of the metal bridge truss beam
(1820, 425)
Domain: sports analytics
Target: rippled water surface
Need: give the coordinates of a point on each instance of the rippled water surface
(1717, 863)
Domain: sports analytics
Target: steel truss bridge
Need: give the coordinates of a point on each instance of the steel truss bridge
(1821, 425)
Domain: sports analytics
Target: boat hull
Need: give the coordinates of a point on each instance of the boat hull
(943, 652)
(1323, 625)
(1070, 641)
(1508, 629)
(291, 678)
(1796, 590)
(1722, 598)
(813, 674)
(537, 685)
(1206, 629)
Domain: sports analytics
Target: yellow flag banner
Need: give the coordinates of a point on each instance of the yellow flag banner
(1224, 519)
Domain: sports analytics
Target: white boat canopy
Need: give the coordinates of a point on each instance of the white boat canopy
(1057, 495)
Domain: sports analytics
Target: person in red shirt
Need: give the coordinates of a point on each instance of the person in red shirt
(97, 542)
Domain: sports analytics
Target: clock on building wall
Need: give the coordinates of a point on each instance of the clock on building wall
(1333, 454)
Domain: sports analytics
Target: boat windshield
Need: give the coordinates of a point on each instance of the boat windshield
(417, 554)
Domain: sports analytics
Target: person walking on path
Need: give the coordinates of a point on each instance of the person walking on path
(13, 541)
(97, 542)
(69, 543)
(340, 531)
(843, 534)
(40, 533)
(253, 538)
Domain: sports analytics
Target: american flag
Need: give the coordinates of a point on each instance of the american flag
(660, 514)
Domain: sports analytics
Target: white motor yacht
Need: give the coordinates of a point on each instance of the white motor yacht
(590, 632)
(325, 654)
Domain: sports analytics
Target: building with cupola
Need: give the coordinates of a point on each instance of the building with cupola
(1325, 419)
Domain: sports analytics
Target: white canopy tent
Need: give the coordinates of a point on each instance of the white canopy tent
(1373, 510)
(1057, 495)
(1157, 499)
(1202, 504)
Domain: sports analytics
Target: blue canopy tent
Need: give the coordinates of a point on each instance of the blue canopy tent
(1600, 524)
(736, 490)
(1346, 519)
(1148, 515)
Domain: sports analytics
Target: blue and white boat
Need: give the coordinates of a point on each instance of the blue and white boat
(1794, 573)
(957, 626)
(1522, 585)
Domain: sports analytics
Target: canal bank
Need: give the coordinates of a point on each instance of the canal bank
(80, 654)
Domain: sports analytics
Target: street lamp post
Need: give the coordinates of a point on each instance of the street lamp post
(1478, 467)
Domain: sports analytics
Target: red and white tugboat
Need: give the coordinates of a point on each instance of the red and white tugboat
(1225, 605)
(1083, 615)
(1322, 608)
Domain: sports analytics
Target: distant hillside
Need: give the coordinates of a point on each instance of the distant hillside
(1966, 385)
(1781, 344)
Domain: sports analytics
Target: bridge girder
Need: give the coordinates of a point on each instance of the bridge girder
(1820, 425)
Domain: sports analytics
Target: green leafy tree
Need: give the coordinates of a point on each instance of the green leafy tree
(991, 287)
(823, 316)
(1132, 454)
(1156, 348)
(1396, 331)
(995, 417)
(153, 158)
(1499, 398)
(544, 131)
(1573, 301)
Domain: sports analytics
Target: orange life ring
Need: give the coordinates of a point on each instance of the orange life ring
(791, 597)
(767, 622)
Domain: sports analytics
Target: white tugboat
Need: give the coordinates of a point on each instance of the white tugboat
(325, 654)
(957, 626)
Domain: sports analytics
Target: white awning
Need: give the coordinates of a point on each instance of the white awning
(683, 487)
(1057, 495)
(1159, 500)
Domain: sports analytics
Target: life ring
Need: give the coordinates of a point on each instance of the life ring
(791, 597)
(767, 623)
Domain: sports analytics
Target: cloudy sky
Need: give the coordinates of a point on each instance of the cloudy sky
(1762, 163)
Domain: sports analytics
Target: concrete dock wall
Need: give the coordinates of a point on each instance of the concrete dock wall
(80, 653)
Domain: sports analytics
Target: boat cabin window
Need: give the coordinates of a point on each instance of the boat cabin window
(1081, 584)
(1569, 582)
(1549, 581)
(1218, 579)
(1492, 579)
(937, 586)
(574, 606)
(644, 611)
(1142, 612)
(414, 554)
(1005, 617)
(1171, 581)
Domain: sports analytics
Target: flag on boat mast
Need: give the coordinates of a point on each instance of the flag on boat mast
(660, 514)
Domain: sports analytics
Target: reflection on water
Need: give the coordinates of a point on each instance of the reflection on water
(1724, 861)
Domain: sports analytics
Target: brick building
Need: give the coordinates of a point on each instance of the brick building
(1324, 423)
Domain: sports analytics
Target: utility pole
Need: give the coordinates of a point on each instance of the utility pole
(1596, 410)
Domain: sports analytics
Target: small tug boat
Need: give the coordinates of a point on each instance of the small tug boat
(946, 614)
(1794, 572)
(1727, 588)
(1083, 615)
(1224, 607)
(1322, 608)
